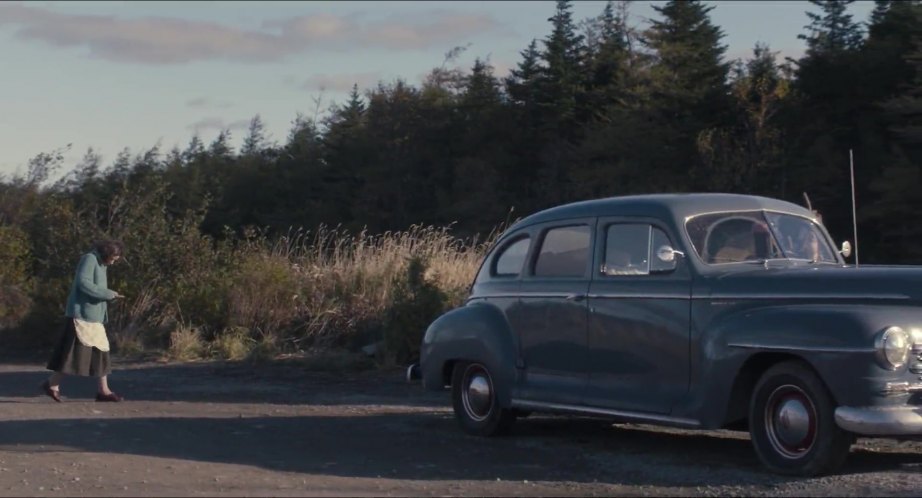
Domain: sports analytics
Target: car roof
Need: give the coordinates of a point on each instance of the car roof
(663, 206)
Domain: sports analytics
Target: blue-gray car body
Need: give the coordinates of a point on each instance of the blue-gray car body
(683, 345)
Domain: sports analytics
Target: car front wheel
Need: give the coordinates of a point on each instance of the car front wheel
(474, 399)
(792, 422)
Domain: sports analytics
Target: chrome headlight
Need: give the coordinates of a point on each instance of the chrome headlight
(893, 348)
(915, 337)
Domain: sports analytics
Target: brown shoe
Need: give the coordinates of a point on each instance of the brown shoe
(55, 394)
(108, 397)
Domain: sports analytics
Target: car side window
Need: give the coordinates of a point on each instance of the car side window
(630, 249)
(510, 260)
(564, 252)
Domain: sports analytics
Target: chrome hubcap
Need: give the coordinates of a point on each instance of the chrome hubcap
(477, 393)
(790, 421)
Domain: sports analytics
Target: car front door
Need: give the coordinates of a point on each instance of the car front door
(638, 325)
(551, 317)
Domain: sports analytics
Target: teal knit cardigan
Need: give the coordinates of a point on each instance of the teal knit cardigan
(89, 294)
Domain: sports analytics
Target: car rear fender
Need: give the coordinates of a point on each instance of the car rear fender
(477, 332)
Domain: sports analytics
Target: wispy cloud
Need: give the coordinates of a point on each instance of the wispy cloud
(208, 103)
(346, 32)
(341, 82)
(216, 123)
(163, 40)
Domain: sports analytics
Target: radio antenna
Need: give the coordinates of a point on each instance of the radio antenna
(851, 160)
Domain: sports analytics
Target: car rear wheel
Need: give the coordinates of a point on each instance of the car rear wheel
(792, 422)
(474, 399)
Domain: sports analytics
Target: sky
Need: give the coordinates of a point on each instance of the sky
(113, 75)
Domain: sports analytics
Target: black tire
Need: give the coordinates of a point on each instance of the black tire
(792, 422)
(474, 400)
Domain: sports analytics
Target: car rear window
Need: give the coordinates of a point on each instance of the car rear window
(509, 262)
(564, 252)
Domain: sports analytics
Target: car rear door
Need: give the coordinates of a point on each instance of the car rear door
(550, 320)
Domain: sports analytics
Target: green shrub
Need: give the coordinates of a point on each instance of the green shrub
(415, 305)
(266, 348)
(130, 347)
(264, 295)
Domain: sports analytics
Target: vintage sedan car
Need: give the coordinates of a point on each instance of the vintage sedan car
(700, 311)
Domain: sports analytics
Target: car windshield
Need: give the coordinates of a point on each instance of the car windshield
(736, 237)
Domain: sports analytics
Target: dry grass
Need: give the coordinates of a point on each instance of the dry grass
(330, 289)
(325, 288)
(232, 344)
(185, 343)
(130, 318)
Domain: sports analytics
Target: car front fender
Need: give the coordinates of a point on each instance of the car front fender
(836, 340)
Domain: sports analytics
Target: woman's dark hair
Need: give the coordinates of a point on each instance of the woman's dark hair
(109, 248)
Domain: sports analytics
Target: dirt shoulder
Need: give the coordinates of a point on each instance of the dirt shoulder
(235, 429)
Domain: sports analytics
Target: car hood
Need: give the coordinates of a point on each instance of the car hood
(821, 281)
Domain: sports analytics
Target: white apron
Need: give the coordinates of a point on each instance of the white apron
(91, 334)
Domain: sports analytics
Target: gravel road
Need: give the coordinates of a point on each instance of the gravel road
(234, 430)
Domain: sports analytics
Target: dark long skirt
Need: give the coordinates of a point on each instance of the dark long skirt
(72, 358)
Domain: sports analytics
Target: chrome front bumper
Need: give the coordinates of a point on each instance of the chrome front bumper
(902, 420)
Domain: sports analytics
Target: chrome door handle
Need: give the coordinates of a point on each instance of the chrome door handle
(576, 297)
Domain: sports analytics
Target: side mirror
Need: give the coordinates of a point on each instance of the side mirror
(667, 254)
(846, 250)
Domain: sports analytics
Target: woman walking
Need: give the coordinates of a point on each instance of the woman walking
(84, 347)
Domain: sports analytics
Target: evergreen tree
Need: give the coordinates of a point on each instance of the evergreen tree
(346, 154)
(194, 151)
(688, 89)
(217, 170)
(561, 82)
(898, 213)
(523, 88)
(354, 109)
(255, 141)
(482, 135)
(833, 108)
(302, 137)
(690, 76)
(609, 72)
(393, 182)
(881, 8)
(220, 147)
(884, 64)
(521, 84)
(833, 31)
(481, 88)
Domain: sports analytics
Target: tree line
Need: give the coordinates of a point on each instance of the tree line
(598, 107)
